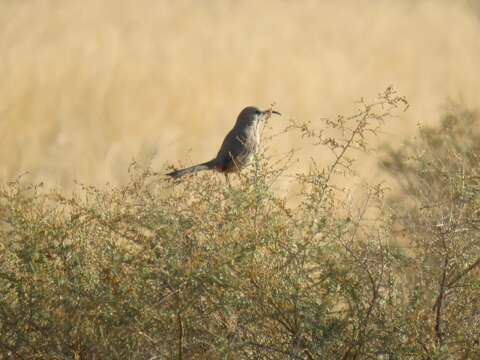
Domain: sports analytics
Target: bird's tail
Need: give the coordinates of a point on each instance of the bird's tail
(209, 165)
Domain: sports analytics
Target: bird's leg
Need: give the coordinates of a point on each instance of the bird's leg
(227, 179)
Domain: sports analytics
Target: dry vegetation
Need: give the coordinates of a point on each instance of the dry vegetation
(200, 270)
(355, 267)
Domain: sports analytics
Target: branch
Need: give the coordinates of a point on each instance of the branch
(438, 317)
(463, 273)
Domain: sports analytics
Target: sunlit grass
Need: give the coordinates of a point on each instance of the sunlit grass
(88, 86)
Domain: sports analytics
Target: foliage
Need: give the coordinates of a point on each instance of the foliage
(201, 270)
(438, 212)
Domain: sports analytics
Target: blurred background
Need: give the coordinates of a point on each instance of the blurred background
(88, 86)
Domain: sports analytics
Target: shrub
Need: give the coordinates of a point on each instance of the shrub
(200, 270)
(437, 212)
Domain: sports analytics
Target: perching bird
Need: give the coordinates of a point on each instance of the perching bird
(238, 147)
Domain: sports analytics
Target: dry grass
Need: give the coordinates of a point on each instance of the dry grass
(86, 85)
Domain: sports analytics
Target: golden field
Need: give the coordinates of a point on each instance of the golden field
(88, 86)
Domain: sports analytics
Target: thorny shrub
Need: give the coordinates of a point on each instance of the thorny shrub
(201, 270)
(437, 211)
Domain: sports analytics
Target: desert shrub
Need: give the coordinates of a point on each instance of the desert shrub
(437, 211)
(201, 270)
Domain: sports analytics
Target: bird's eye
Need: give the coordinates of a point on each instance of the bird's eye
(258, 112)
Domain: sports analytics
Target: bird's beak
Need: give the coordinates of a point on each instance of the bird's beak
(270, 112)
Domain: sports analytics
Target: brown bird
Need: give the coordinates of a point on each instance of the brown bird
(238, 147)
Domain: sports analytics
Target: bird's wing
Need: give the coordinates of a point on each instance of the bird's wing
(232, 147)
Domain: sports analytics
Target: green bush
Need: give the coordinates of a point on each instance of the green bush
(201, 270)
(438, 212)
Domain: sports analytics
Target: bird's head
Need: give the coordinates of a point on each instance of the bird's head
(252, 114)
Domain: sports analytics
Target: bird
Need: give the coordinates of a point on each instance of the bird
(238, 147)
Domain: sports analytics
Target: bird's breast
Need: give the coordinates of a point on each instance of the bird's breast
(252, 135)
